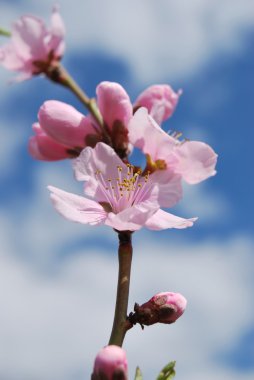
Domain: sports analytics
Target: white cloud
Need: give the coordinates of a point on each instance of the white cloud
(159, 40)
(52, 325)
(210, 207)
(162, 39)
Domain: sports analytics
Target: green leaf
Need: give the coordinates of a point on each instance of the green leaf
(168, 372)
(4, 33)
(138, 374)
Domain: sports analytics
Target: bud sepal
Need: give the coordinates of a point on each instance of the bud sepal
(165, 307)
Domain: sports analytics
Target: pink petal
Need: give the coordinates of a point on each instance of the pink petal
(170, 187)
(196, 161)
(162, 220)
(28, 36)
(42, 147)
(110, 363)
(9, 58)
(57, 33)
(114, 103)
(64, 123)
(21, 77)
(132, 218)
(33, 149)
(160, 101)
(102, 158)
(77, 208)
(146, 134)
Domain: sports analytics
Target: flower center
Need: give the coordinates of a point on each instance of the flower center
(152, 166)
(126, 189)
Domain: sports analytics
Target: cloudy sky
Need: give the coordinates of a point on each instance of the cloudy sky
(57, 278)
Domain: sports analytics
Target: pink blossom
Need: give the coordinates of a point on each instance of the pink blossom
(115, 105)
(159, 100)
(165, 307)
(68, 127)
(110, 363)
(122, 198)
(62, 132)
(194, 161)
(117, 110)
(43, 147)
(33, 47)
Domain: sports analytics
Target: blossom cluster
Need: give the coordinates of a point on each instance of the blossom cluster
(119, 194)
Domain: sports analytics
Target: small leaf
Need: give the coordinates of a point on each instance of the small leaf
(138, 374)
(168, 372)
(4, 33)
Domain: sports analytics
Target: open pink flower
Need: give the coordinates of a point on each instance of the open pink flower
(33, 47)
(194, 161)
(122, 199)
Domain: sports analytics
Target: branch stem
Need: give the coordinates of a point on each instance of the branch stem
(120, 324)
(61, 76)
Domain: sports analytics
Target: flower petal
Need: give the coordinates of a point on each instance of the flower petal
(160, 101)
(28, 36)
(64, 123)
(146, 134)
(77, 208)
(132, 218)
(9, 58)
(42, 147)
(196, 161)
(170, 187)
(114, 103)
(57, 33)
(25, 75)
(103, 159)
(162, 220)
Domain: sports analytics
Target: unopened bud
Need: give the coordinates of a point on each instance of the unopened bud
(110, 364)
(164, 307)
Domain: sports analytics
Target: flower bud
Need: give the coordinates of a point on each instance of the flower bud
(110, 364)
(43, 147)
(64, 124)
(164, 307)
(160, 101)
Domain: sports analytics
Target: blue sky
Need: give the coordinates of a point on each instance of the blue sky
(53, 270)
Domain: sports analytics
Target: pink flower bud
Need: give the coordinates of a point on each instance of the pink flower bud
(42, 147)
(110, 364)
(160, 101)
(62, 132)
(64, 124)
(164, 307)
